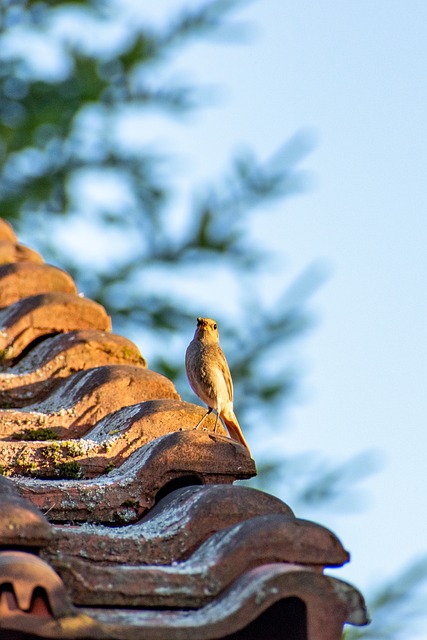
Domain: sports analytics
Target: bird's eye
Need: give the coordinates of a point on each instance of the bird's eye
(215, 326)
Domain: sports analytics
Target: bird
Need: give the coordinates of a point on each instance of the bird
(210, 378)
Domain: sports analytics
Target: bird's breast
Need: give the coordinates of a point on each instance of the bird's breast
(205, 374)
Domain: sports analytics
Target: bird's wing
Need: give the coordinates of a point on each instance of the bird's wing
(225, 371)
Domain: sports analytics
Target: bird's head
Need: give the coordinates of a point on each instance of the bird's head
(207, 329)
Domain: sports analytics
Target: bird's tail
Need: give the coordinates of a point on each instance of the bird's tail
(233, 427)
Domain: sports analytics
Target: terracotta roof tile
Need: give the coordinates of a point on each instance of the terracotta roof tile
(171, 531)
(21, 523)
(76, 403)
(124, 494)
(23, 279)
(37, 316)
(109, 443)
(329, 603)
(61, 355)
(213, 566)
(13, 252)
(26, 573)
(6, 231)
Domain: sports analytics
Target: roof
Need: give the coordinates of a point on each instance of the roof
(118, 519)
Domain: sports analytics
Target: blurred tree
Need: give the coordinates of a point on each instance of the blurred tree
(77, 80)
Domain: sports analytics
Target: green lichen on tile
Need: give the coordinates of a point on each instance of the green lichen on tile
(52, 452)
(109, 467)
(73, 448)
(58, 454)
(25, 464)
(69, 470)
(129, 354)
(4, 470)
(4, 353)
(126, 353)
(132, 504)
(31, 435)
(108, 445)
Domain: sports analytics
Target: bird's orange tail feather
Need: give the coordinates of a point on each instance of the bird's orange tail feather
(234, 429)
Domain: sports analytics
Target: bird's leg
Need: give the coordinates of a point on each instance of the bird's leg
(203, 419)
(216, 422)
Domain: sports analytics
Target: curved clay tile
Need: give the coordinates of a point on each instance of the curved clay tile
(106, 446)
(126, 493)
(28, 449)
(6, 231)
(130, 427)
(21, 523)
(170, 532)
(284, 597)
(213, 567)
(78, 402)
(24, 279)
(274, 537)
(61, 355)
(37, 316)
(329, 603)
(12, 252)
(27, 575)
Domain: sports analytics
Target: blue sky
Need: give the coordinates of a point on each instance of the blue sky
(352, 75)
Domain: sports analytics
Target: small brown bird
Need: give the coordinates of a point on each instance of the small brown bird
(210, 378)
